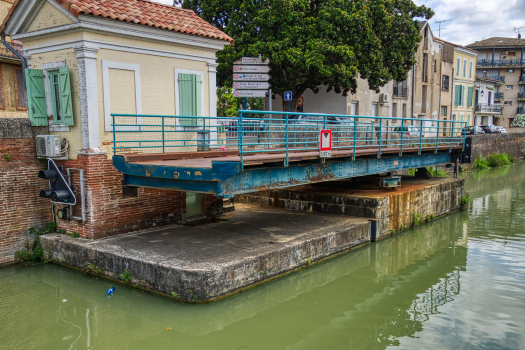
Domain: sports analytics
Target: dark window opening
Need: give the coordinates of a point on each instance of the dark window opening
(130, 192)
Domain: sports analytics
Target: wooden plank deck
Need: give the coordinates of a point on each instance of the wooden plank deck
(205, 159)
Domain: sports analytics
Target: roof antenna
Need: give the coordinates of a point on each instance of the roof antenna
(439, 23)
(518, 30)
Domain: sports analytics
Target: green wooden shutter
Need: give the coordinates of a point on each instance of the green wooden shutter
(469, 96)
(66, 105)
(36, 97)
(457, 97)
(189, 98)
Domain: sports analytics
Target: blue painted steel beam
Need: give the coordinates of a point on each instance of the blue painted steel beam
(270, 178)
(226, 180)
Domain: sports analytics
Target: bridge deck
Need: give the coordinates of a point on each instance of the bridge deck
(192, 160)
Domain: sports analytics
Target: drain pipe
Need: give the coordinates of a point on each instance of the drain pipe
(413, 88)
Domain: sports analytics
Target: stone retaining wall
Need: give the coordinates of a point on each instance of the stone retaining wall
(513, 143)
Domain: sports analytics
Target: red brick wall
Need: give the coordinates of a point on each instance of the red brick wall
(110, 213)
(20, 205)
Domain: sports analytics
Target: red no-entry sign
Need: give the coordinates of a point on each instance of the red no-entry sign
(325, 143)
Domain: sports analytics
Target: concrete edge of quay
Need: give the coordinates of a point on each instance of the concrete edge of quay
(197, 282)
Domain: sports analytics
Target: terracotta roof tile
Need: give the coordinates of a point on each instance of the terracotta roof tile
(146, 13)
(498, 42)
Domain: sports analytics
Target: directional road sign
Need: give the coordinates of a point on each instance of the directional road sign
(251, 77)
(250, 93)
(288, 96)
(250, 69)
(251, 60)
(247, 85)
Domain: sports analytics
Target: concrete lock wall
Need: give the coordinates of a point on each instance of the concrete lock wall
(513, 143)
(392, 210)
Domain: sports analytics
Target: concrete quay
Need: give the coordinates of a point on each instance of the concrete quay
(208, 262)
(392, 210)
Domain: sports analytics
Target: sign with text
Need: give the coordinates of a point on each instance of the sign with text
(251, 77)
(251, 85)
(250, 93)
(250, 69)
(252, 60)
(325, 143)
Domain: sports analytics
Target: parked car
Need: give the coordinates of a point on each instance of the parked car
(306, 119)
(407, 130)
(489, 129)
(501, 129)
(472, 130)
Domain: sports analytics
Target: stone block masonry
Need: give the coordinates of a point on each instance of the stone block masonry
(513, 143)
(20, 205)
(393, 210)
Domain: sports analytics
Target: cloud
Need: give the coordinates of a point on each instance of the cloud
(474, 20)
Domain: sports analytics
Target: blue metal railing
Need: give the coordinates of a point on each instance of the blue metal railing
(285, 133)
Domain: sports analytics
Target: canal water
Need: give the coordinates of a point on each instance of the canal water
(455, 283)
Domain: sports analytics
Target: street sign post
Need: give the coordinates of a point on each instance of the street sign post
(299, 101)
(288, 97)
(250, 69)
(252, 60)
(325, 144)
(251, 85)
(250, 93)
(251, 77)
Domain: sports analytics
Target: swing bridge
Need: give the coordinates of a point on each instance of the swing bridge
(260, 150)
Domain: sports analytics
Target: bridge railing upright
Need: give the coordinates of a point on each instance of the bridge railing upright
(254, 133)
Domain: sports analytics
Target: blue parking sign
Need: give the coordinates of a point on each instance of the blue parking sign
(288, 96)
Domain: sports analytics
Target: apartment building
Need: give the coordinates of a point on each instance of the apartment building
(502, 59)
(485, 101)
(464, 84)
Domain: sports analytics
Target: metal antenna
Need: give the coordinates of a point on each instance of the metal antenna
(439, 23)
(518, 30)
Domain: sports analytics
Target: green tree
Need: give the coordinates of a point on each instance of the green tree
(228, 106)
(315, 43)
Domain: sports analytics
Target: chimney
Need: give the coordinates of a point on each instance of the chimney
(519, 35)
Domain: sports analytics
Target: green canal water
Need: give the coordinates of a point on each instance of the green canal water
(455, 283)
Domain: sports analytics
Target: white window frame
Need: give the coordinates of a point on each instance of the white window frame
(177, 105)
(46, 68)
(509, 88)
(106, 66)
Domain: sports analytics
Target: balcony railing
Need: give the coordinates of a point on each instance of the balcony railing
(521, 110)
(511, 62)
(522, 79)
(498, 95)
(400, 91)
(521, 95)
(485, 108)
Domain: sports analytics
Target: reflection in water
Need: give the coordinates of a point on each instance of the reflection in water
(453, 283)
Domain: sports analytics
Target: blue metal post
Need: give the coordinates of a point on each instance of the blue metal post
(437, 138)
(114, 138)
(286, 160)
(380, 136)
(402, 136)
(452, 136)
(420, 135)
(239, 135)
(464, 136)
(355, 136)
(163, 138)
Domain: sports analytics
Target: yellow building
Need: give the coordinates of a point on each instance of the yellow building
(463, 84)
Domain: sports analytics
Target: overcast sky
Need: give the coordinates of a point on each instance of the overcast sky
(472, 20)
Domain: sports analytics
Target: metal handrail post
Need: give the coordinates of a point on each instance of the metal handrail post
(163, 138)
(420, 135)
(239, 136)
(286, 160)
(452, 135)
(114, 138)
(380, 136)
(437, 138)
(355, 137)
(402, 136)
(464, 136)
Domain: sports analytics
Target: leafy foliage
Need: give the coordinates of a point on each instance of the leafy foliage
(498, 160)
(315, 43)
(518, 122)
(480, 163)
(436, 173)
(416, 219)
(126, 276)
(465, 199)
(228, 106)
(34, 252)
